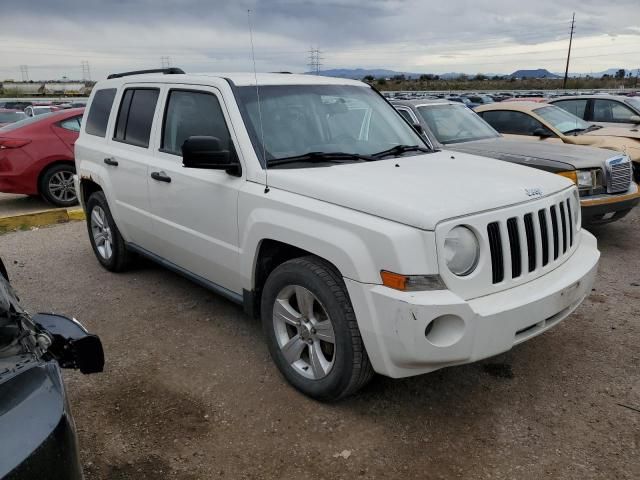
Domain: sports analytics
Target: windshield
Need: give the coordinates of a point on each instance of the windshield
(299, 119)
(634, 102)
(561, 119)
(455, 123)
(10, 117)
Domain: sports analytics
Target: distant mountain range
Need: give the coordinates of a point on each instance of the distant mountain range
(360, 73)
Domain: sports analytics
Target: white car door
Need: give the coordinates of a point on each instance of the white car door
(195, 210)
(129, 137)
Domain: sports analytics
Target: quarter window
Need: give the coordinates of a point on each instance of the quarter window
(98, 115)
(405, 113)
(189, 114)
(135, 116)
(611, 111)
(72, 124)
(515, 123)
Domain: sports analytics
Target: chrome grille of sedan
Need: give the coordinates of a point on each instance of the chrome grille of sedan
(619, 173)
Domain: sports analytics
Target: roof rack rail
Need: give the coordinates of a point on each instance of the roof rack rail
(166, 71)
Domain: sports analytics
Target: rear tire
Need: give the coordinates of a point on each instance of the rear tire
(106, 240)
(313, 337)
(56, 185)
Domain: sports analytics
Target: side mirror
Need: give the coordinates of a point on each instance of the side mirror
(634, 119)
(542, 133)
(73, 346)
(206, 152)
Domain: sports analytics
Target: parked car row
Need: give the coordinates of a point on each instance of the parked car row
(37, 156)
(603, 176)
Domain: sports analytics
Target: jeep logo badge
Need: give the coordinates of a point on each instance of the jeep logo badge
(533, 192)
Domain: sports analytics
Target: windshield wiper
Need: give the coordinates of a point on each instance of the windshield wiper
(593, 127)
(321, 157)
(575, 131)
(399, 150)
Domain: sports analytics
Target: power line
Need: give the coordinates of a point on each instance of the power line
(566, 70)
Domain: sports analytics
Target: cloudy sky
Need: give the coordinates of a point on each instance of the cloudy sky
(53, 37)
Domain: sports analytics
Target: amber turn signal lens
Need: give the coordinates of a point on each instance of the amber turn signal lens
(393, 280)
(411, 283)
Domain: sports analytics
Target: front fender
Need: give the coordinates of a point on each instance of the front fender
(357, 244)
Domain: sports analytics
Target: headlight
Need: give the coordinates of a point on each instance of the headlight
(585, 179)
(461, 250)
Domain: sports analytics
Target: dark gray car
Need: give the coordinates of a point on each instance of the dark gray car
(603, 177)
(36, 427)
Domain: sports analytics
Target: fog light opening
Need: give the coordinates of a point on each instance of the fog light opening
(444, 331)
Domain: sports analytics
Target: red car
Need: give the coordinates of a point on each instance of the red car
(36, 156)
(8, 115)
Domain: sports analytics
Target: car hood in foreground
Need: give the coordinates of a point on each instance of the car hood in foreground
(552, 157)
(420, 190)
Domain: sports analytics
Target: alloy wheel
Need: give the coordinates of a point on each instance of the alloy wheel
(304, 332)
(61, 186)
(101, 232)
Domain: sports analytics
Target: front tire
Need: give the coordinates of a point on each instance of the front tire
(311, 330)
(106, 240)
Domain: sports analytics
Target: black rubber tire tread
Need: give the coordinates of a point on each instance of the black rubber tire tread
(121, 258)
(44, 181)
(362, 371)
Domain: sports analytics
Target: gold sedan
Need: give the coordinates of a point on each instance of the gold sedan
(548, 123)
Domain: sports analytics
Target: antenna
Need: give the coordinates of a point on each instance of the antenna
(255, 76)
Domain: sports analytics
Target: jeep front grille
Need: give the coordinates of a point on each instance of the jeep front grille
(523, 244)
(619, 173)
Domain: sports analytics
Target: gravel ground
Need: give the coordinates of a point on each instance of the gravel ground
(190, 392)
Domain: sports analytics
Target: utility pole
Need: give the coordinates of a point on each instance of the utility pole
(566, 70)
(315, 60)
(165, 62)
(24, 71)
(86, 71)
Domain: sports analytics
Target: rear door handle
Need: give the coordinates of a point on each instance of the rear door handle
(111, 161)
(161, 177)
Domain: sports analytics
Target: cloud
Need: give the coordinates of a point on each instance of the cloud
(52, 38)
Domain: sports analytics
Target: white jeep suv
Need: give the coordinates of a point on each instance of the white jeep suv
(313, 203)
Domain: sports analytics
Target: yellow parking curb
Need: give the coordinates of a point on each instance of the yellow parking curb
(40, 219)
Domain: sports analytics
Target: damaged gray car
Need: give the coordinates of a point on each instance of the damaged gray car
(37, 430)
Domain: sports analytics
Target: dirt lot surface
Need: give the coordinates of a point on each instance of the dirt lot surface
(18, 204)
(190, 392)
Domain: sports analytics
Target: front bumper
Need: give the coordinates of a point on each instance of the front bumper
(608, 208)
(394, 324)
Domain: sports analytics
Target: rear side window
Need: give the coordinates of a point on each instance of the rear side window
(98, 115)
(577, 107)
(190, 114)
(72, 123)
(510, 122)
(135, 116)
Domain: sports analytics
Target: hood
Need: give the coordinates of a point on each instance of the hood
(552, 157)
(420, 190)
(627, 132)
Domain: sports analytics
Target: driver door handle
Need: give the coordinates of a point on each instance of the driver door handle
(111, 161)
(161, 177)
